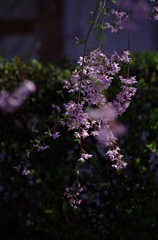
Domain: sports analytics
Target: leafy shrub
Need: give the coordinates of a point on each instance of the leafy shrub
(121, 205)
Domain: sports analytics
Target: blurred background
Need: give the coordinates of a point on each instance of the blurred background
(46, 30)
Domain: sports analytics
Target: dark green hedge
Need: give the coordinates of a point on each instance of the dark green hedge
(121, 206)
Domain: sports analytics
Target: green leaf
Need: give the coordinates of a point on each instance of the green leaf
(78, 140)
(79, 41)
(27, 152)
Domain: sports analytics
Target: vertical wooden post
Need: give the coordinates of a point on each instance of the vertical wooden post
(50, 30)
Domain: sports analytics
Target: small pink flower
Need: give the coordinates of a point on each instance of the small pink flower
(81, 160)
(77, 135)
(86, 156)
(25, 171)
(55, 135)
(84, 133)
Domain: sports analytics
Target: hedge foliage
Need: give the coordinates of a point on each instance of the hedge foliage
(122, 206)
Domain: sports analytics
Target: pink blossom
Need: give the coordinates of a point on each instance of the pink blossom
(55, 135)
(94, 133)
(123, 99)
(40, 147)
(155, 12)
(75, 116)
(77, 135)
(73, 194)
(106, 136)
(11, 101)
(117, 24)
(128, 80)
(105, 112)
(94, 76)
(25, 171)
(22, 170)
(86, 156)
(121, 57)
(84, 133)
(115, 155)
(81, 160)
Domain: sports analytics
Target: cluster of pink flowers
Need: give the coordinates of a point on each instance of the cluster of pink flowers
(73, 195)
(155, 9)
(75, 116)
(84, 156)
(40, 147)
(95, 74)
(53, 135)
(115, 156)
(126, 13)
(87, 85)
(155, 13)
(22, 169)
(123, 99)
(118, 21)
